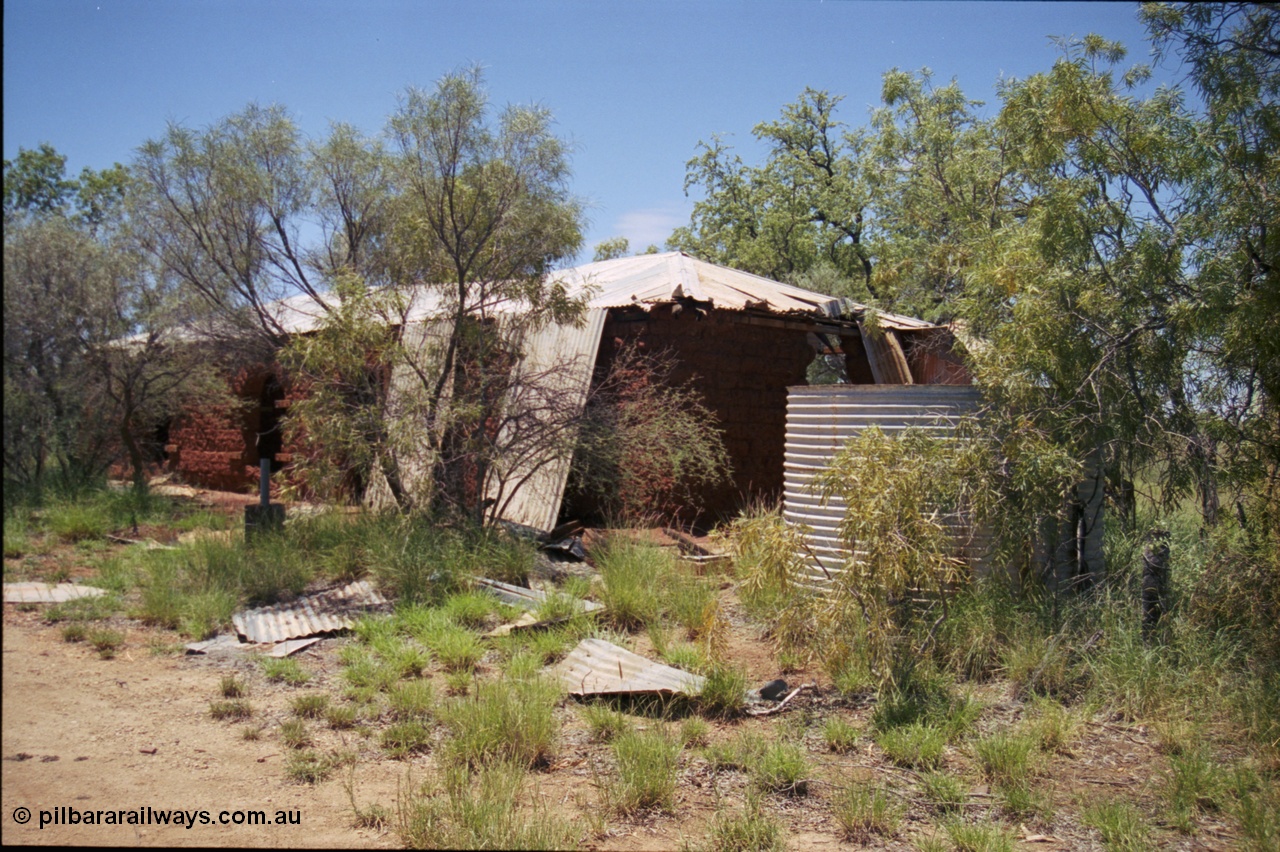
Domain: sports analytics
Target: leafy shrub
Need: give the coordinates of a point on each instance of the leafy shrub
(647, 447)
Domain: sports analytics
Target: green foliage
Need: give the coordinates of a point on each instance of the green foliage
(646, 447)
(840, 735)
(866, 811)
(915, 746)
(945, 792)
(480, 811)
(782, 768)
(235, 710)
(1121, 825)
(899, 494)
(748, 828)
(311, 706)
(503, 721)
(285, 670)
(294, 733)
(404, 738)
(604, 722)
(647, 762)
(308, 767)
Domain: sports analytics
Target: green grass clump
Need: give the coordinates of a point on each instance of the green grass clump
(604, 722)
(979, 836)
(458, 649)
(747, 829)
(782, 768)
(233, 687)
(294, 733)
(471, 609)
(1121, 825)
(945, 792)
(234, 709)
(509, 720)
(483, 810)
(105, 641)
(1195, 785)
(284, 670)
(840, 735)
(1004, 757)
(647, 762)
(404, 738)
(866, 811)
(311, 706)
(340, 717)
(413, 699)
(724, 693)
(308, 767)
(694, 732)
(74, 631)
(915, 746)
(633, 575)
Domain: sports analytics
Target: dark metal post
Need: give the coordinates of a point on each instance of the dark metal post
(1155, 580)
(266, 516)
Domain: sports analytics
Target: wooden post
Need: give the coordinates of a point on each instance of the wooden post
(1155, 580)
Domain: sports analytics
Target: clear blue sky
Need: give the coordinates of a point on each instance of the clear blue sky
(634, 85)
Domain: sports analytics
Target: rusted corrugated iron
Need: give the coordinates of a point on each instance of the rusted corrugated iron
(326, 612)
(47, 592)
(596, 667)
(822, 419)
(525, 598)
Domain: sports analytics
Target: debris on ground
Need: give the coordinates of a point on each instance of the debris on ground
(32, 592)
(596, 667)
(230, 643)
(530, 599)
(325, 612)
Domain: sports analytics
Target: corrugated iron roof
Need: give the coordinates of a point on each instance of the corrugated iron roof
(336, 609)
(597, 667)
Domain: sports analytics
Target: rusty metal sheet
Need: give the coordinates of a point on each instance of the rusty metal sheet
(525, 598)
(597, 667)
(326, 612)
(31, 592)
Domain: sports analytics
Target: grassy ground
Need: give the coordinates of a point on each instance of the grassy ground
(1026, 716)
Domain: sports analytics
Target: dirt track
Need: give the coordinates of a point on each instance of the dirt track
(89, 727)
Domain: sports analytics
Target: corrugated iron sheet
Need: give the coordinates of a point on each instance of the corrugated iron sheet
(48, 593)
(822, 419)
(596, 667)
(557, 366)
(525, 598)
(336, 609)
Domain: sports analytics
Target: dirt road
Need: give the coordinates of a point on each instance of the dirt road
(134, 733)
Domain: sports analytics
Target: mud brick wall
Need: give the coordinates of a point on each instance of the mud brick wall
(219, 446)
(742, 372)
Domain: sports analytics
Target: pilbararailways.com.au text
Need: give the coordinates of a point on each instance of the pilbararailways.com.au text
(149, 816)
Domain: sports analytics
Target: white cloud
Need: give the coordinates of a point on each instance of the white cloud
(651, 225)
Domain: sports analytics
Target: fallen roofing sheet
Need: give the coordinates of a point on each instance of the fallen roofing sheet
(336, 609)
(48, 593)
(597, 667)
(229, 642)
(525, 598)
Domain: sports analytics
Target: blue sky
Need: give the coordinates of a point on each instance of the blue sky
(633, 85)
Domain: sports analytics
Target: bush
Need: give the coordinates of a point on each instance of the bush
(646, 447)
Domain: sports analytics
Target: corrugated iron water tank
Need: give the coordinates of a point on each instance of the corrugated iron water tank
(822, 419)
